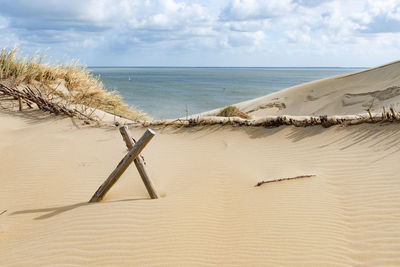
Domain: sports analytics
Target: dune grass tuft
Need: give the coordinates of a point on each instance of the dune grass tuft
(232, 111)
(83, 88)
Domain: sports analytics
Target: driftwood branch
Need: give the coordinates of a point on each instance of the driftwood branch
(129, 141)
(283, 179)
(275, 121)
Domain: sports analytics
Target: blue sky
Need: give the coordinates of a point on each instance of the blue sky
(205, 33)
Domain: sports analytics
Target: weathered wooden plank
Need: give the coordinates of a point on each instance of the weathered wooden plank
(122, 166)
(139, 163)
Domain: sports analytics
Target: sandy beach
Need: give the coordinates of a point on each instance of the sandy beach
(210, 212)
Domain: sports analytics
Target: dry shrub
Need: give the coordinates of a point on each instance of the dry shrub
(232, 111)
(83, 88)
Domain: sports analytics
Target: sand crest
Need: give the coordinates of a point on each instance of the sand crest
(347, 94)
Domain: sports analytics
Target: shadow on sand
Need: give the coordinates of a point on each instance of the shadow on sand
(51, 212)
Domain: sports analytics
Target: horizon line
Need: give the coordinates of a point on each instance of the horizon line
(303, 67)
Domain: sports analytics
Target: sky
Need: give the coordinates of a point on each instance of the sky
(283, 33)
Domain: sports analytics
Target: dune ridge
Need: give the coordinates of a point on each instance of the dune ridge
(347, 94)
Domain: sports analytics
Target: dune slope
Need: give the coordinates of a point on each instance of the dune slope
(340, 95)
(210, 214)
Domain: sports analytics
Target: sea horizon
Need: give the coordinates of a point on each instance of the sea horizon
(233, 67)
(168, 92)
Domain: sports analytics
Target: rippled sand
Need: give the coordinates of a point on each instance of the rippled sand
(210, 213)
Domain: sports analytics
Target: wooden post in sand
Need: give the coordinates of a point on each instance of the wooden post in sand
(19, 103)
(123, 165)
(139, 163)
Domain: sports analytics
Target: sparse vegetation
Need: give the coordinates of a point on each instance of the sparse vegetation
(82, 88)
(232, 111)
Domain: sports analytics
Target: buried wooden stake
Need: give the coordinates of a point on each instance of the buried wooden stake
(139, 163)
(393, 113)
(123, 165)
(19, 103)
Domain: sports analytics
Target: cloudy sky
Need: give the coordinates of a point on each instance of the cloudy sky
(207, 32)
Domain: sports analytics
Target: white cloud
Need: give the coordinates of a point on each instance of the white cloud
(166, 15)
(255, 9)
(94, 28)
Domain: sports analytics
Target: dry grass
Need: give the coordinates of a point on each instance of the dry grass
(83, 88)
(232, 111)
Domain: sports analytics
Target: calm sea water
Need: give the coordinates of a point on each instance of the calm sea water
(166, 92)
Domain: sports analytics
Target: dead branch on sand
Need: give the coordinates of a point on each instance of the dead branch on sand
(35, 96)
(276, 121)
(284, 179)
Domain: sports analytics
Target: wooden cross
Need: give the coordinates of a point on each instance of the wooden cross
(134, 151)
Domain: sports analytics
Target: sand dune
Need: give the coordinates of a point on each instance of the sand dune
(341, 95)
(210, 214)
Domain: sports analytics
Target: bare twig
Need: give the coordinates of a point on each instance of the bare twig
(283, 179)
(3, 212)
(369, 108)
(84, 115)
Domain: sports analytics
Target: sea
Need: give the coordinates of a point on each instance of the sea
(173, 92)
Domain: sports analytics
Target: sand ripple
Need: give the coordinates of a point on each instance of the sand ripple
(211, 213)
